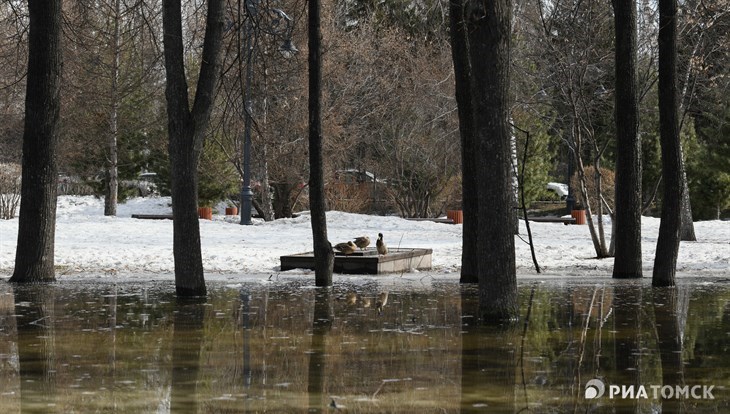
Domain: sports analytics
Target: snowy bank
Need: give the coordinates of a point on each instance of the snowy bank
(87, 242)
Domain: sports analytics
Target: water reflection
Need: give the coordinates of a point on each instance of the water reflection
(488, 361)
(34, 315)
(321, 325)
(365, 347)
(187, 340)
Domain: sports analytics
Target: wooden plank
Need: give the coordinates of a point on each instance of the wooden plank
(152, 216)
(553, 219)
(435, 220)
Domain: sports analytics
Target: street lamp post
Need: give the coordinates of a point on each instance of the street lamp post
(246, 193)
(287, 49)
(570, 200)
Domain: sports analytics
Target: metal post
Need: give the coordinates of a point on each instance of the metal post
(246, 193)
(570, 200)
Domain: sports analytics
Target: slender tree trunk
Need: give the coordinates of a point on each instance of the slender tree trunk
(112, 188)
(665, 261)
(627, 259)
(469, 197)
(186, 131)
(687, 230)
(37, 222)
(267, 208)
(489, 30)
(324, 256)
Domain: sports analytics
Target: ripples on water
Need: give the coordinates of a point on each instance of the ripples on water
(359, 347)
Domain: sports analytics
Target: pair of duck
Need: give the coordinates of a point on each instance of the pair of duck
(362, 242)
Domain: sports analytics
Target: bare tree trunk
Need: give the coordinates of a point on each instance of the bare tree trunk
(267, 209)
(469, 197)
(687, 229)
(598, 245)
(324, 256)
(186, 130)
(112, 185)
(515, 179)
(665, 261)
(489, 30)
(627, 223)
(34, 254)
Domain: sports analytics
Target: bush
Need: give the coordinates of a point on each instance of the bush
(10, 179)
(608, 186)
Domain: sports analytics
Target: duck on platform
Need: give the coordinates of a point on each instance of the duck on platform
(362, 242)
(380, 244)
(346, 248)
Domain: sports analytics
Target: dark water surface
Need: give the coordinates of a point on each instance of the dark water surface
(367, 347)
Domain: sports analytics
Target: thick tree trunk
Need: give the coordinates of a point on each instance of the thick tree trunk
(665, 261)
(469, 197)
(489, 29)
(324, 256)
(34, 255)
(186, 131)
(627, 259)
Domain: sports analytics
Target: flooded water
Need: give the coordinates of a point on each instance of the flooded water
(363, 347)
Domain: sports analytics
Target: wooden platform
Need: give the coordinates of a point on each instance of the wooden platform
(366, 262)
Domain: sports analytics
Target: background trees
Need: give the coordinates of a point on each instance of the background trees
(388, 108)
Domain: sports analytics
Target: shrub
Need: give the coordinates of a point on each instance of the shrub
(607, 184)
(10, 179)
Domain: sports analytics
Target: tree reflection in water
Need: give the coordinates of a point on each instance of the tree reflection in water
(34, 313)
(488, 361)
(321, 325)
(669, 340)
(96, 348)
(187, 340)
(627, 298)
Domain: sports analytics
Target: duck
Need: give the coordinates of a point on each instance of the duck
(346, 248)
(380, 244)
(362, 242)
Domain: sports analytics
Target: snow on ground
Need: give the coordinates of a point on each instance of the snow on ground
(87, 242)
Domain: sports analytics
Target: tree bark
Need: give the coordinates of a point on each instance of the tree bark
(627, 258)
(186, 132)
(489, 30)
(469, 198)
(324, 256)
(665, 261)
(687, 229)
(35, 251)
(112, 187)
